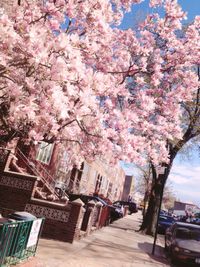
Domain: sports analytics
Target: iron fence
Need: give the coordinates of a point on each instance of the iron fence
(19, 240)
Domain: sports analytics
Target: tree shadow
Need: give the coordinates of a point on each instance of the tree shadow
(159, 254)
(123, 228)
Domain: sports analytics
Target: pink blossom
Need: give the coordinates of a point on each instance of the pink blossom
(103, 88)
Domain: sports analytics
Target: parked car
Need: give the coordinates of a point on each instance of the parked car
(196, 221)
(114, 212)
(86, 198)
(163, 212)
(164, 222)
(132, 205)
(182, 241)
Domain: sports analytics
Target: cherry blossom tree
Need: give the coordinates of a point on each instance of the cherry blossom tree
(191, 133)
(68, 74)
(53, 76)
(180, 65)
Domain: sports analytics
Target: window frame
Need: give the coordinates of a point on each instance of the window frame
(44, 154)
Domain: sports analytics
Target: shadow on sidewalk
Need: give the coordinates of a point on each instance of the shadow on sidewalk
(123, 227)
(158, 256)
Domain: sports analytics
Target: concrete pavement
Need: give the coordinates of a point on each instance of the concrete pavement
(117, 245)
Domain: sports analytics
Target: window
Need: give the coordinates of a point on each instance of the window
(64, 162)
(44, 152)
(188, 233)
(85, 171)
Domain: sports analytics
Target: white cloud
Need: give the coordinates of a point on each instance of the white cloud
(188, 196)
(178, 179)
(185, 175)
(186, 182)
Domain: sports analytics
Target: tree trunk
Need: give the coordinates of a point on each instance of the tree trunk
(158, 183)
(150, 217)
(145, 202)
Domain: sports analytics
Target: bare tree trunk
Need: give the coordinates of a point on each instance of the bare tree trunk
(149, 220)
(145, 201)
(150, 217)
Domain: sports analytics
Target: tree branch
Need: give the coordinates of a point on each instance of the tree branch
(85, 130)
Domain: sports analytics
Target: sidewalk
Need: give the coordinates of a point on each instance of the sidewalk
(117, 245)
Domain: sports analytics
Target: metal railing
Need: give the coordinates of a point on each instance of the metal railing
(19, 240)
(4, 154)
(42, 173)
(31, 165)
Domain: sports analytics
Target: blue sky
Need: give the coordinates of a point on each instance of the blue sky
(185, 173)
(192, 7)
(185, 178)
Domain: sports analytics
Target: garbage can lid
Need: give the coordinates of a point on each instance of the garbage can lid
(22, 216)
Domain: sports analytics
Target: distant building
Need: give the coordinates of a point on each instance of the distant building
(181, 207)
(129, 187)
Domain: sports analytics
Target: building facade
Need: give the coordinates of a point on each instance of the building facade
(51, 160)
(103, 179)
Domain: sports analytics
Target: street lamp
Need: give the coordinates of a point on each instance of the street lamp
(160, 174)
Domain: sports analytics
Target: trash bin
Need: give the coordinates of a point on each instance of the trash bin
(2, 222)
(22, 232)
(19, 235)
(7, 231)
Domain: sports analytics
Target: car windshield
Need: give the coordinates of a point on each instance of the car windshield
(185, 233)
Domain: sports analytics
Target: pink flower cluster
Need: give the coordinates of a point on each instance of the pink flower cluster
(92, 86)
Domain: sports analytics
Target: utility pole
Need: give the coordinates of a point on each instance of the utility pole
(161, 175)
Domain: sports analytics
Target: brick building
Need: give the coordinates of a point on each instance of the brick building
(52, 162)
(92, 177)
